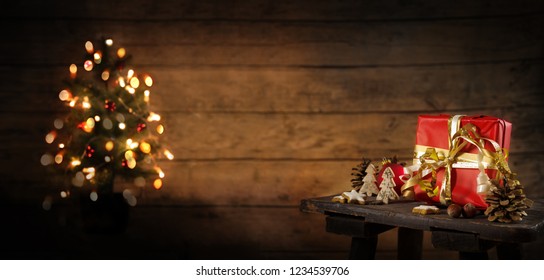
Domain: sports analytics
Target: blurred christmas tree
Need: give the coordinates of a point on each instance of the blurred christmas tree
(108, 130)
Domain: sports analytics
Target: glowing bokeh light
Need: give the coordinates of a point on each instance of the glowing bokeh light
(50, 137)
(134, 82)
(157, 184)
(107, 124)
(145, 147)
(148, 81)
(58, 123)
(73, 71)
(109, 146)
(160, 129)
(93, 196)
(46, 159)
(88, 65)
(58, 158)
(105, 75)
(65, 95)
(153, 117)
(89, 47)
(168, 154)
(121, 52)
(97, 57)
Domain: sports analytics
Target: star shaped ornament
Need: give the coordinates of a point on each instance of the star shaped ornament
(354, 197)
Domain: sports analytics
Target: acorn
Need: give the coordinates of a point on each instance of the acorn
(469, 210)
(454, 210)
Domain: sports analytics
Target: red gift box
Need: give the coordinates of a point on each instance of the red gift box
(435, 133)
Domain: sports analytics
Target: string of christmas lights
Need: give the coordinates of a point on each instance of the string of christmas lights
(109, 130)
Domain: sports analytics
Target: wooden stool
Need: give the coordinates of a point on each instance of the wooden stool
(472, 238)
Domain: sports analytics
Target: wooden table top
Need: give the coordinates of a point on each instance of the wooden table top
(400, 214)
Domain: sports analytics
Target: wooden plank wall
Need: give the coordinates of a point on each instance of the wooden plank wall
(268, 102)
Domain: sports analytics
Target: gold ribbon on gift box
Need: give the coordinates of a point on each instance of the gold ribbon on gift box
(428, 160)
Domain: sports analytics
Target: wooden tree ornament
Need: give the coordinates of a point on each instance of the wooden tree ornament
(387, 187)
(369, 182)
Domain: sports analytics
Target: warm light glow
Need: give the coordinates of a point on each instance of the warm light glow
(148, 81)
(159, 171)
(130, 89)
(130, 73)
(131, 163)
(73, 71)
(46, 159)
(121, 82)
(63, 194)
(168, 154)
(160, 129)
(97, 118)
(129, 197)
(107, 158)
(145, 147)
(105, 75)
(157, 184)
(88, 65)
(120, 117)
(90, 172)
(134, 82)
(129, 155)
(58, 123)
(153, 117)
(121, 52)
(65, 95)
(122, 126)
(89, 125)
(90, 122)
(75, 162)
(50, 137)
(109, 146)
(109, 42)
(97, 57)
(72, 103)
(146, 95)
(89, 47)
(107, 124)
(58, 158)
(79, 179)
(61, 146)
(93, 196)
(85, 104)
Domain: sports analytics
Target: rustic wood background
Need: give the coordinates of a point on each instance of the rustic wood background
(266, 102)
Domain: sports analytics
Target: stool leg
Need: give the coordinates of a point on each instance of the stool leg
(509, 251)
(409, 244)
(363, 248)
(473, 255)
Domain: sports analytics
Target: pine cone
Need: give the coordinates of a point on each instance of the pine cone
(359, 173)
(507, 203)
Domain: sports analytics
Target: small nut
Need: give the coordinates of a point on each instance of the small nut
(469, 210)
(454, 211)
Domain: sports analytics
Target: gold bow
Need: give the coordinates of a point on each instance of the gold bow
(434, 159)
